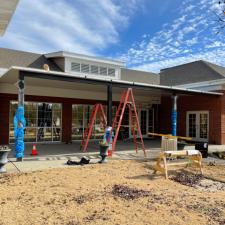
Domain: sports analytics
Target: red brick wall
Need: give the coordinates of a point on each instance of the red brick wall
(223, 119)
(194, 103)
(4, 119)
(66, 122)
(66, 113)
(215, 105)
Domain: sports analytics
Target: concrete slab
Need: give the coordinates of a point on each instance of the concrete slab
(61, 149)
(56, 155)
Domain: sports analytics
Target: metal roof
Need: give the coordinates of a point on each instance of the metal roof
(68, 77)
(11, 57)
(197, 71)
(7, 8)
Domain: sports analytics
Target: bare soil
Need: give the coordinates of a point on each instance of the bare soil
(119, 192)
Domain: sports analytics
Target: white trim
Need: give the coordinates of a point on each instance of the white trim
(197, 113)
(36, 140)
(163, 87)
(84, 57)
(7, 9)
(3, 71)
(203, 84)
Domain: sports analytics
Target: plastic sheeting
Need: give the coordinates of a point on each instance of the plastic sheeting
(19, 126)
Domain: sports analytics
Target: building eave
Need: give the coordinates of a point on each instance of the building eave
(65, 54)
(7, 9)
(53, 75)
(203, 84)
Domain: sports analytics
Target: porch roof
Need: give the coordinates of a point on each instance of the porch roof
(12, 75)
(6, 11)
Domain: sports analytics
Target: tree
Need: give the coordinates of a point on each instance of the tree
(221, 15)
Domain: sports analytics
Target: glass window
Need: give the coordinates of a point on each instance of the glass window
(103, 71)
(111, 72)
(94, 69)
(77, 122)
(84, 68)
(43, 122)
(81, 117)
(75, 67)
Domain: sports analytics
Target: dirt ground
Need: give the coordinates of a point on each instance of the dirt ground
(119, 192)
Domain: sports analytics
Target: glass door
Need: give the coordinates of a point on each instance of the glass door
(143, 117)
(144, 121)
(198, 125)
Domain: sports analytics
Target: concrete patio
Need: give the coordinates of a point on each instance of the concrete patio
(56, 155)
(50, 150)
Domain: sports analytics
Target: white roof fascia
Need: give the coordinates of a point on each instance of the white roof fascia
(7, 9)
(112, 80)
(3, 71)
(84, 57)
(203, 84)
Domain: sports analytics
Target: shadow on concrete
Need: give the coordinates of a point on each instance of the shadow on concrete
(58, 149)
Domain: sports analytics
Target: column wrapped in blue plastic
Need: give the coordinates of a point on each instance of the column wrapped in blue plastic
(108, 136)
(19, 126)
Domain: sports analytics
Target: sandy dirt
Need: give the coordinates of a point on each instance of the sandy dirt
(87, 195)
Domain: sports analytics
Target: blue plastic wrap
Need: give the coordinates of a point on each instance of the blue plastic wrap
(19, 126)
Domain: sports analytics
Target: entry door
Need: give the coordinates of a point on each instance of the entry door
(143, 118)
(198, 125)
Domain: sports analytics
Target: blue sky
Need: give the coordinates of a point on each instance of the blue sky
(147, 34)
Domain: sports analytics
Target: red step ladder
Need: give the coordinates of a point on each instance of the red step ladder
(127, 99)
(97, 109)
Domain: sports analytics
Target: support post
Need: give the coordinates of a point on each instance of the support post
(21, 90)
(19, 121)
(109, 105)
(174, 115)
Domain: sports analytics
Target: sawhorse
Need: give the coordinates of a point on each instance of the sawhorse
(194, 159)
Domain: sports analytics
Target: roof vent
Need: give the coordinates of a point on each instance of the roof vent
(46, 67)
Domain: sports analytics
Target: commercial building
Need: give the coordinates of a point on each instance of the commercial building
(61, 88)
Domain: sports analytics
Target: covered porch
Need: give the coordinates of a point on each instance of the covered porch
(26, 84)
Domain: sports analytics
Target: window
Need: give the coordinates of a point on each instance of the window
(94, 69)
(103, 71)
(77, 122)
(75, 67)
(80, 118)
(111, 72)
(84, 68)
(43, 122)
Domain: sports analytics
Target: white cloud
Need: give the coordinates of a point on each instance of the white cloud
(191, 36)
(79, 26)
(213, 56)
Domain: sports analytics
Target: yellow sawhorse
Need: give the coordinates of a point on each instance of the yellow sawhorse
(194, 159)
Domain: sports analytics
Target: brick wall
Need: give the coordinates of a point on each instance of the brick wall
(195, 103)
(4, 119)
(214, 104)
(66, 113)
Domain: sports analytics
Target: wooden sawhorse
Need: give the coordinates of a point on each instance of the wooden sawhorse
(194, 158)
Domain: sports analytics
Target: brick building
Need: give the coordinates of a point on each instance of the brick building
(58, 101)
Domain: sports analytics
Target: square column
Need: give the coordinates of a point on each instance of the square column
(174, 115)
(109, 105)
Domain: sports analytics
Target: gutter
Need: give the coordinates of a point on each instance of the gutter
(52, 75)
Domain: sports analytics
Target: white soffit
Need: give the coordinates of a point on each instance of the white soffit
(7, 8)
(11, 76)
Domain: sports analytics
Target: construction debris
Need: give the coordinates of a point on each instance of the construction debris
(128, 193)
(220, 155)
(199, 182)
(84, 160)
(187, 179)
